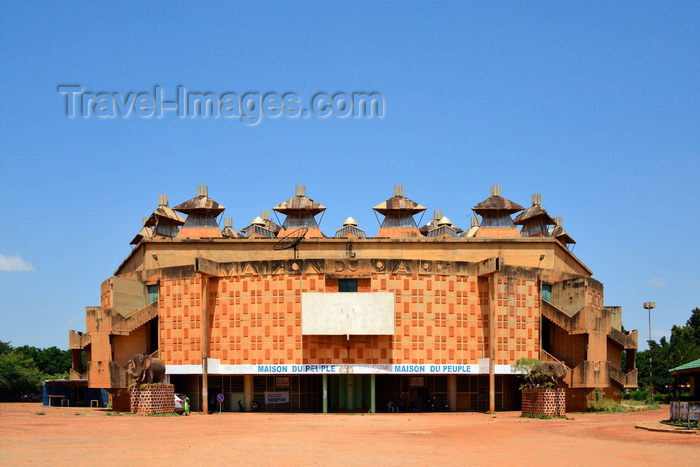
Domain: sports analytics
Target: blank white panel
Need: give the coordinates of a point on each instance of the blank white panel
(347, 313)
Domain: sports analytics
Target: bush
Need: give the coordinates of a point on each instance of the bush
(532, 375)
(606, 406)
(662, 398)
(636, 395)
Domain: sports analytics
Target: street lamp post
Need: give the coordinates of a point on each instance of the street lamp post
(650, 306)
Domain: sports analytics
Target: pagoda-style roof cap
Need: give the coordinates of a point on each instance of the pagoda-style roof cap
(145, 232)
(258, 228)
(201, 203)
(473, 229)
(399, 203)
(496, 203)
(300, 203)
(534, 211)
(559, 233)
(350, 229)
(435, 223)
(164, 212)
(264, 221)
(228, 231)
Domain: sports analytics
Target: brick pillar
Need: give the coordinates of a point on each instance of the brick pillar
(149, 399)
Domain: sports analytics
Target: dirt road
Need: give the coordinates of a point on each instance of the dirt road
(81, 436)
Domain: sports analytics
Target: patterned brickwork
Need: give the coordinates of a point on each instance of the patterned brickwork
(544, 402)
(441, 319)
(151, 399)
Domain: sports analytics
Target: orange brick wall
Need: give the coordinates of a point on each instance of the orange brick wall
(439, 319)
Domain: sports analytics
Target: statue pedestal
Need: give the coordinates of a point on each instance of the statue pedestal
(544, 402)
(149, 399)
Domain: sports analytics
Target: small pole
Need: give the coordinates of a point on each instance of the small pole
(650, 306)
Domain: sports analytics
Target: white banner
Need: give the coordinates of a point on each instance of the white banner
(215, 367)
(280, 397)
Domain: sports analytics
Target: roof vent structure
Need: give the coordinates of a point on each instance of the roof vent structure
(435, 223)
(534, 219)
(258, 228)
(473, 229)
(560, 234)
(300, 212)
(443, 228)
(165, 221)
(495, 212)
(350, 229)
(228, 231)
(398, 214)
(201, 214)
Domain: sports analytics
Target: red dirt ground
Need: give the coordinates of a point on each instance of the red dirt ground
(83, 436)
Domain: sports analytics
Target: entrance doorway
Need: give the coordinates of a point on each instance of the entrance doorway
(349, 393)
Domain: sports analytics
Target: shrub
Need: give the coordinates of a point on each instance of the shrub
(636, 395)
(605, 406)
(532, 375)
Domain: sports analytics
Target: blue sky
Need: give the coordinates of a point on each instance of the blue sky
(594, 105)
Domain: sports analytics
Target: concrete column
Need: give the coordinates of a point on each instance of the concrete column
(325, 393)
(350, 392)
(452, 392)
(342, 391)
(373, 393)
(358, 390)
(205, 341)
(492, 343)
(248, 392)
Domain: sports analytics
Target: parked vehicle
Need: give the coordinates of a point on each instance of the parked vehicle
(31, 397)
(180, 403)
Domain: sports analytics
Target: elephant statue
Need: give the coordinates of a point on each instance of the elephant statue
(146, 369)
(555, 369)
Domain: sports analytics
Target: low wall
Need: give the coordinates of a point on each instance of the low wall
(149, 399)
(544, 402)
(680, 410)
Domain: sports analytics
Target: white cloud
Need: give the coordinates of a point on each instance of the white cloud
(14, 263)
(658, 282)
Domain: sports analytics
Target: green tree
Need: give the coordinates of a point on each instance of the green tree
(18, 375)
(5, 347)
(683, 347)
(53, 362)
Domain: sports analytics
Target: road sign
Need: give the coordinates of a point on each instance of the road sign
(220, 398)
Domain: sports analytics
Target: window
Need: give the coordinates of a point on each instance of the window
(152, 293)
(547, 292)
(347, 285)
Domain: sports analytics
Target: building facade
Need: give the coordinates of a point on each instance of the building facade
(286, 318)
